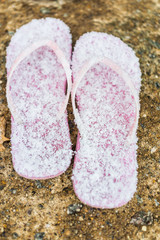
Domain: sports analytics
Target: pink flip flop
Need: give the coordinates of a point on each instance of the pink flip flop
(107, 80)
(38, 67)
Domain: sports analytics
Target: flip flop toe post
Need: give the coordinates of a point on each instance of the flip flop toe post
(38, 70)
(106, 85)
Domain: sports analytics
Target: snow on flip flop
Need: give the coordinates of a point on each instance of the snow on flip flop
(106, 85)
(38, 71)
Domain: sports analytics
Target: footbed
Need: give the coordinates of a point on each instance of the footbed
(41, 146)
(104, 172)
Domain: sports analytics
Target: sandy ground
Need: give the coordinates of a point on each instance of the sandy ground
(42, 210)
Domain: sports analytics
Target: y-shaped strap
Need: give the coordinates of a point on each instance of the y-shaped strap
(21, 57)
(108, 62)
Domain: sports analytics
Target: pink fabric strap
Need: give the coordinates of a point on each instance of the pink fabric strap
(108, 62)
(21, 57)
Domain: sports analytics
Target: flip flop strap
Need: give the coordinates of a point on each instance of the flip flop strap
(108, 62)
(62, 59)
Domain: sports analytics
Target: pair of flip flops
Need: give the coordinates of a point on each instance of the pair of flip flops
(106, 83)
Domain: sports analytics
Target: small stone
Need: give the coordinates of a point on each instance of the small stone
(81, 218)
(139, 199)
(127, 37)
(154, 149)
(30, 211)
(65, 15)
(73, 208)
(108, 223)
(39, 236)
(15, 235)
(40, 206)
(142, 218)
(11, 33)
(144, 228)
(154, 44)
(38, 184)
(156, 202)
(138, 11)
(13, 190)
(78, 210)
(47, 225)
(152, 56)
(2, 186)
(44, 10)
(68, 233)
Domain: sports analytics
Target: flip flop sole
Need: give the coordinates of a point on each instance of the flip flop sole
(41, 146)
(104, 174)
